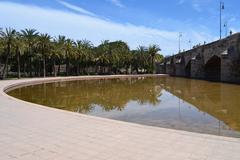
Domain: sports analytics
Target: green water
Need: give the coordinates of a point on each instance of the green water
(177, 103)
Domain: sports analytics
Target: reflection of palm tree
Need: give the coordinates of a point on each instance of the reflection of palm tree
(84, 108)
(82, 96)
(115, 94)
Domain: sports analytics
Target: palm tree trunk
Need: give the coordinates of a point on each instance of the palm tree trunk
(18, 64)
(59, 65)
(6, 63)
(24, 68)
(152, 65)
(137, 69)
(39, 68)
(96, 68)
(54, 68)
(7, 71)
(44, 66)
(78, 69)
(83, 68)
(5, 67)
(30, 59)
(30, 66)
(67, 67)
(110, 69)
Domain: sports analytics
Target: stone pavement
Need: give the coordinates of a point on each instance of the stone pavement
(31, 132)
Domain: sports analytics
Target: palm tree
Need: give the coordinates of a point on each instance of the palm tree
(58, 51)
(55, 54)
(142, 57)
(153, 50)
(30, 37)
(80, 54)
(159, 58)
(88, 56)
(68, 53)
(19, 46)
(44, 44)
(30, 49)
(104, 54)
(121, 56)
(7, 38)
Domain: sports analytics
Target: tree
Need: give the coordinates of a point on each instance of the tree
(103, 54)
(142, 56)
(120, 55)
(58, 52)
(140, 59)
(33, 52)
(69, 51)
(30, 38)
(153, 50)
(83, 53)
(19, 46)
(7, 39)
(44, 44)
(159, 58)
(88, 54)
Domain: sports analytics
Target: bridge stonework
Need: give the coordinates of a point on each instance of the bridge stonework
(216, 61)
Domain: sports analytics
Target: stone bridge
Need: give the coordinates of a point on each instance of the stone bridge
(216, 61)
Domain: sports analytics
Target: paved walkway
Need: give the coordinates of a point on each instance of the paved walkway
(31, 132)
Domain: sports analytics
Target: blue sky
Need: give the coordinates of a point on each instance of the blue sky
(138, 22)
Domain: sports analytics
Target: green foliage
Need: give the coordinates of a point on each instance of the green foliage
(38, 54)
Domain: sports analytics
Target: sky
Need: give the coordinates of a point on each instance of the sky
(137, 22)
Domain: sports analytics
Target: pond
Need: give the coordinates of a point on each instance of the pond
(176, 103)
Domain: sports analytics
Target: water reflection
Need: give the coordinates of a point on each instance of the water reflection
(177, 103)
(217, 99)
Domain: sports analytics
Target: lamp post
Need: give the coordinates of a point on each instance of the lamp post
(190, 44)
(226, 28)
(221, 9)
(179, 41)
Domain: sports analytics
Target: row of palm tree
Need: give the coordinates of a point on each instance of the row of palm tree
(30, 53)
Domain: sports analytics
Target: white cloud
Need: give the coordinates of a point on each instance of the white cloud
(117, 3)
(233, 19)
(76, 8)
(197, 6)
(79, 26)
(180, 2)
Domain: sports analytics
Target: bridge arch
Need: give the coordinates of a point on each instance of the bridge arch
(212, 69)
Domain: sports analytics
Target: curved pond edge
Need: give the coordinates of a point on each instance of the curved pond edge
(8, 85)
